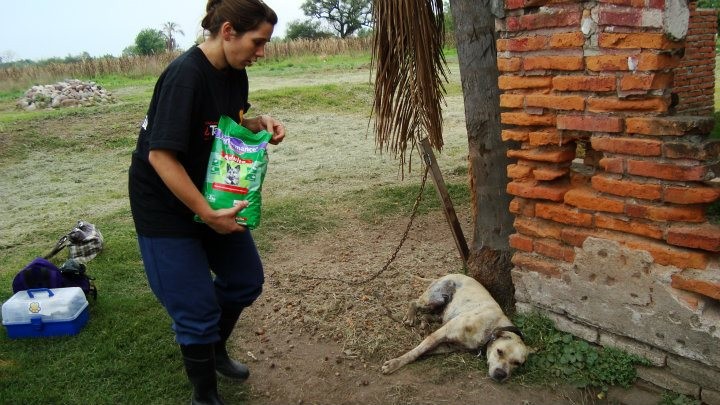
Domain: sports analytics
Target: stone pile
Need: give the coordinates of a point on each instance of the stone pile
(68, 93)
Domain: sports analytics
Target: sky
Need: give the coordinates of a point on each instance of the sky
(41, 29)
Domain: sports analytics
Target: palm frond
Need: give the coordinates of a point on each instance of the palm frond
(410, 74)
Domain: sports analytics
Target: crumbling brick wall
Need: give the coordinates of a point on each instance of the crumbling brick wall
(611, 184)
(694, 81)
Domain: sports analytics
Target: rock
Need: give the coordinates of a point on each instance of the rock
(68, 93)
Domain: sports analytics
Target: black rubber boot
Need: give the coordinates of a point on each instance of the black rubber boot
(224, 365)
(199, 363)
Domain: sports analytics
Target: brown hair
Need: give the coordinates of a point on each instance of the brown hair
(243, 15)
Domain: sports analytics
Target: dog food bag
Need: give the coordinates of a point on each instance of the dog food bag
(236, 170)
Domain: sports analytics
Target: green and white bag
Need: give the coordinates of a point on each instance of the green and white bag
(236, 170)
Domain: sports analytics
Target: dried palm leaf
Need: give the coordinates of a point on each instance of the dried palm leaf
(410, 74)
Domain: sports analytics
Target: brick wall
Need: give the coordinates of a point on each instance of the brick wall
(694, 79)
(611, 184)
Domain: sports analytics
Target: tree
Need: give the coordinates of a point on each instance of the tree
(401, 36)
(305, 30)
(345, 17)
(148, 42)
(170, 28)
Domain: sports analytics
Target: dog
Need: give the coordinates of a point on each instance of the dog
(233, 175)
(471, 319)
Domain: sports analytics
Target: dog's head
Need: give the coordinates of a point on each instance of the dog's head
(505, 352)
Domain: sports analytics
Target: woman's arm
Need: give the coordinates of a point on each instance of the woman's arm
(175, 177)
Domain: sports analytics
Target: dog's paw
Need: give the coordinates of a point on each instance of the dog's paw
(410, 320)
(391, 366)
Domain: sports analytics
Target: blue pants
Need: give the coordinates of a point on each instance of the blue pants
(179, 274)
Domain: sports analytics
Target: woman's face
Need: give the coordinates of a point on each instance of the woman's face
(242, 50)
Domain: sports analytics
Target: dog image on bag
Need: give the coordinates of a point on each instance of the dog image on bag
(471, 320)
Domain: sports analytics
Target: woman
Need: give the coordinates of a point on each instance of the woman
(166, 175)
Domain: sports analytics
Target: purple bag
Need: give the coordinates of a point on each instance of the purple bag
(41, 273)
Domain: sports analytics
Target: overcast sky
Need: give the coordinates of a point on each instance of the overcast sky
(40, 29)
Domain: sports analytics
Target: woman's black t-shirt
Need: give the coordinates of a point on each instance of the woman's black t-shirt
(188, 100)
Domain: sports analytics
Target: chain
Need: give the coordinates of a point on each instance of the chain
(418, 199)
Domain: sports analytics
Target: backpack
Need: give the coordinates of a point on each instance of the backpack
(41, 273)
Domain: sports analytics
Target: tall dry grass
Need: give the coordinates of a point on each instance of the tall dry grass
(20, 78)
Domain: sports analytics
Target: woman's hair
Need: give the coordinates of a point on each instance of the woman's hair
(243, 15)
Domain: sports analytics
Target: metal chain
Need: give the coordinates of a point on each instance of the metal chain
(418, 199)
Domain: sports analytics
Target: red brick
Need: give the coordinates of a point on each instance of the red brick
(666, 213)
(538, 228)
(655, 104)
(549, 136)
(670, 256)
(551, 154)
(515, 135)
(576, 236)
(621, 17)
(669, 126)
(521, 242)
(518, 82)
(603, 63)
(519, 172)
(560, 18)
(509, 64)
(632, 3)
(653, 81)
(523, 44)
(512, 100)
(513, 118)
(631, 226)
(592, 123)
(522, 207)
(691, 195)
(626, 188)
(553, 63)
(613, 165)
(584, 83)
(651, 61)
(563, 214)
(635, 41)
(666, 171)
(554, 249)
(549, 174)
(567, 40)
(627, 146)
(536, 263)
(704, 236)
(556, 102)
(543, 191)
(700, 283)
(588, 199)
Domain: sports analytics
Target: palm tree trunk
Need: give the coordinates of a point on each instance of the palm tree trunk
(490, 252)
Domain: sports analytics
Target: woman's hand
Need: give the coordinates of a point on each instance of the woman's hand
(268, 123)
(223, 221)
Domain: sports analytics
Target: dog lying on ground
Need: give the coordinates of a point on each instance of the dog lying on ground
(471, 319)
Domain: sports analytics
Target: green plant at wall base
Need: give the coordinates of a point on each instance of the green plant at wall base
(562, 358)
(673, 398)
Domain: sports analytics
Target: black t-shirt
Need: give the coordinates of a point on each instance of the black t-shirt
(188, 100)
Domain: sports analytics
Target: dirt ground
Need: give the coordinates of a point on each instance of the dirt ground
(310, 340)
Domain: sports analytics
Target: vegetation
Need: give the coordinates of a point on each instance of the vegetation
(561, 358)
(148, 42)
(344, 17)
